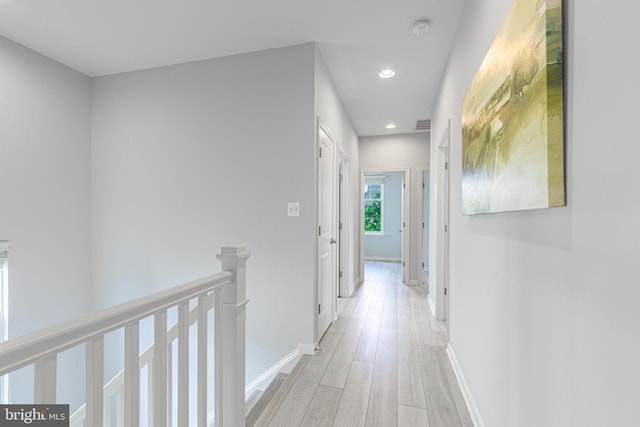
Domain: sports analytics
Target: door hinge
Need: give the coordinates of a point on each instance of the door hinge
(446, 228)
(340, 274)
(446, 165)
(404, 225)
(423, 225)
(403, 263)
(340, 226)
(404, 185)
(319, 305)
(320, 151)
(423, 185)
(319, 230)
(445, 293)
(423, 265)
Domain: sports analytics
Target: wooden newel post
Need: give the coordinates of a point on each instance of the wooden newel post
(234, 300)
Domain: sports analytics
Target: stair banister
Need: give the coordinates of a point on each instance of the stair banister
(41, 348)
(26, 349)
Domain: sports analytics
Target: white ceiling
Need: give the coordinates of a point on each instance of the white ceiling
(357, 38)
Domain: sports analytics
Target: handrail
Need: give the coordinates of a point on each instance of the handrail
(26, 349)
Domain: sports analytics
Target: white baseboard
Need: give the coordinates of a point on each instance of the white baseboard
(464, 388)
(382, 258)
(413, 283)
(432, 306)
(354, 285)
(284, 365)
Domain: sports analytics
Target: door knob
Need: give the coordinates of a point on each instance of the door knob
(333, 241)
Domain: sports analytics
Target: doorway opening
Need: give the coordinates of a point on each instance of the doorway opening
(384, 211)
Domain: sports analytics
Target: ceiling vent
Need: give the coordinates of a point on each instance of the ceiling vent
(424, 124)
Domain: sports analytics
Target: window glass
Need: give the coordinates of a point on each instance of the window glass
(373, 196)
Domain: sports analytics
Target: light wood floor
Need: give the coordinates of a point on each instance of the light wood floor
(384, 364)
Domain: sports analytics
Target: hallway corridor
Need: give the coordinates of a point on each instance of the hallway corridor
(384, 364)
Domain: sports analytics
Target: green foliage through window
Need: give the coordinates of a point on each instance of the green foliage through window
(373, 195)
(373, 216)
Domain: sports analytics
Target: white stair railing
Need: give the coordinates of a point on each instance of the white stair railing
(113, 390)
(225, 293)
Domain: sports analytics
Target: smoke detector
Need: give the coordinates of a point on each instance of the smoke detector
(421, 26)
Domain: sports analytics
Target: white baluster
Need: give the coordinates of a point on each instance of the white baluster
(132, 374)
(45, 380)
(94, 378)
(107, 412)
(150, 391)
(170, 382)
(160, 369)
(120, 405)
(234, 300)
(183, 364)
(218, 370)
(202, 360)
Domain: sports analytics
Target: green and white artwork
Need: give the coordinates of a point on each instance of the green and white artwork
(512, 116)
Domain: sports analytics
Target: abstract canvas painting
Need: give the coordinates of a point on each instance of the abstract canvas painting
(512, 116)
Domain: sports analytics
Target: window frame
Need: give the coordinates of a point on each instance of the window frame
(5, 246)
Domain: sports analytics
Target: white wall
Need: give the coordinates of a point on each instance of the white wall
(44, 194)
(389, 245)
(402, 151)
(188, 158)
(330, 109)
(544, 314)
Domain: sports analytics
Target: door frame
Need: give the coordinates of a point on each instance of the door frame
(443, 230)
(322, 126)
(344, 222)
(406, 217)
(424, 221)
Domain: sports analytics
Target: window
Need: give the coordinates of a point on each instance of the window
(4, 306)
(4, 310)
(373, 211)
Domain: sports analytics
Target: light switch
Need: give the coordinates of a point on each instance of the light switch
(293, 209)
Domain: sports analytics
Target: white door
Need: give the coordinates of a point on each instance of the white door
(327, 276)
(442, 231)
(426, 201)
(342, 205)
(445, 240)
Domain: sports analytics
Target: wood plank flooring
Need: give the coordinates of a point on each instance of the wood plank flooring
(384, 364)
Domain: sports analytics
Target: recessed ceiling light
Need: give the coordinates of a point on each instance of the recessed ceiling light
(387, 73)
(420, 26)
(390, 126)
